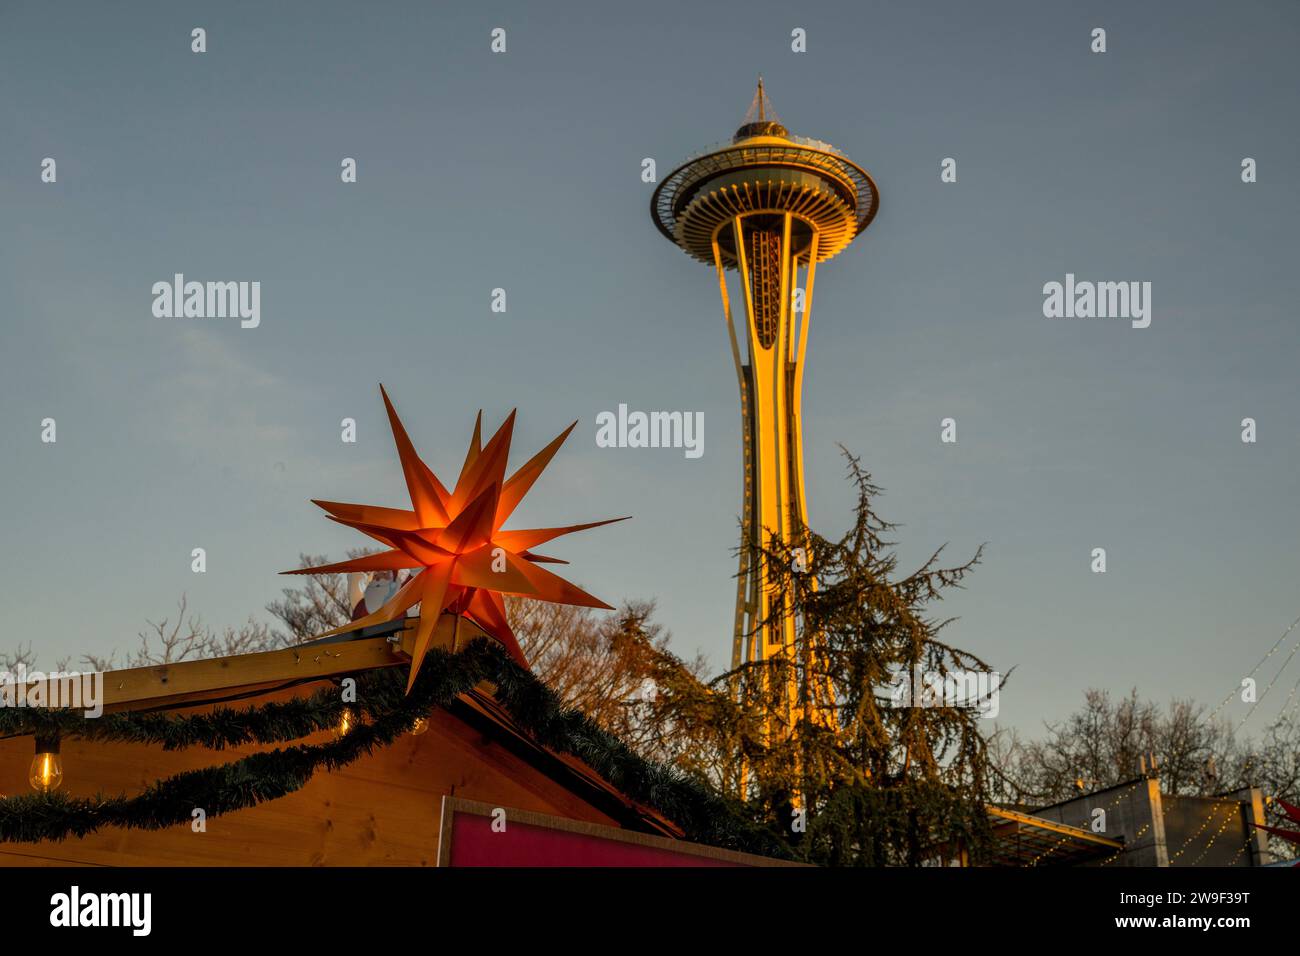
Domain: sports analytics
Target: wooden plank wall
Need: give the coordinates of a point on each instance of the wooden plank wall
(382, 810)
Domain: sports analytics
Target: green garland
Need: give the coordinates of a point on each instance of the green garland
(222, 727)
(704, 815)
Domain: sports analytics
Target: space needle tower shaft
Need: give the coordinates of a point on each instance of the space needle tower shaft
(764, 210)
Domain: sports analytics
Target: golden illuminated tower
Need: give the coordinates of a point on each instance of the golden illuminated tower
(762, 208)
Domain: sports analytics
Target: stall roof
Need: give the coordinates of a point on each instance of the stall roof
(226, 680)
(1021, 839)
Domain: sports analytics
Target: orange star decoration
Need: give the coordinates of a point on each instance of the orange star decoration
(465, 561)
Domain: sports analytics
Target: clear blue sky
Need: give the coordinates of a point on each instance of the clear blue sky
(522, 171)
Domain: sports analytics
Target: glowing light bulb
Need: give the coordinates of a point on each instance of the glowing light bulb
(419, 726)
(346, 723)
(46, 774)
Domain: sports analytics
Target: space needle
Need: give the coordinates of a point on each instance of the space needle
(764, 210)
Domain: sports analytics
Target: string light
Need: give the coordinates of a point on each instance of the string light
(1259, 700)
(1214, 810)
(1227, 819)
(1120, 852)
(1250, 838)
(46, 773)
(419, 726)
(347, 720)
(1051, 849)
(1106, 809)
(1288, 705)
(1232, 693)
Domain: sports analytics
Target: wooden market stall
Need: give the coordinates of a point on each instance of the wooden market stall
(386, 808)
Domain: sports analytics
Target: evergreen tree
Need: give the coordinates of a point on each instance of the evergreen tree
(873, 767)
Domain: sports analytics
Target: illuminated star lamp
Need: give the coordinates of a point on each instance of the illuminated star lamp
(464, 561)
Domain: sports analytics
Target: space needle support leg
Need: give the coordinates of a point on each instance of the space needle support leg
(819, 696)
(742, 575)
(796, 395)
(763, 635)
(800, 502)
(800, 352)
(755, 478)
(788, 497)
(726, 309)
